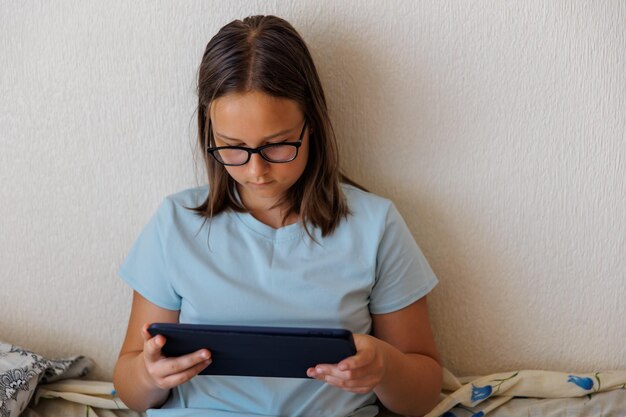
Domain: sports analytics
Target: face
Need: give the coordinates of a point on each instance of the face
(251, 120)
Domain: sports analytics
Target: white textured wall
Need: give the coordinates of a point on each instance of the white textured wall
(497, 127)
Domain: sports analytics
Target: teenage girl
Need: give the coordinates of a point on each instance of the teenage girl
(278, 237)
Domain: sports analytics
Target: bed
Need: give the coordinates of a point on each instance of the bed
(34, 386)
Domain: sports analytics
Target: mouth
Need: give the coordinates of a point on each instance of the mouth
(260, 184)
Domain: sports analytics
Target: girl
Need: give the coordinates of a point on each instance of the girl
(279, 237)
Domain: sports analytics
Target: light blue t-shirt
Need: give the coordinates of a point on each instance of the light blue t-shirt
(236, 270)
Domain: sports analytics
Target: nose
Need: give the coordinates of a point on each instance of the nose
(257, 166)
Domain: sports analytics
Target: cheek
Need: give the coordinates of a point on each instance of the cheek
(234, 172)
(303, 155)
(299, 167)
(302, 166)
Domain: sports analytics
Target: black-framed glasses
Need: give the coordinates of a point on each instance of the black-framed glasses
(276, 153)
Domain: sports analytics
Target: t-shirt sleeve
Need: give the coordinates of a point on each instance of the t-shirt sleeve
(145, 268)
(403, 275)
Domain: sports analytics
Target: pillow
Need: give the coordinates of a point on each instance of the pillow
(21, 371)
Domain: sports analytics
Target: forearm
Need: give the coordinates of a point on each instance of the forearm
(133, 384)
(412, 383)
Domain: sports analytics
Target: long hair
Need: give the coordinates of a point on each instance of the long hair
(266, 54)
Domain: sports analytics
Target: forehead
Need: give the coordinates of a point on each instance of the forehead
(255, 110)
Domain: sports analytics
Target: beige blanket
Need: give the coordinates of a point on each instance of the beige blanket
(74, 397)
(480, 396)
(510, 394)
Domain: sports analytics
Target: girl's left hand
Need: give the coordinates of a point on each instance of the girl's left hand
(360, 373)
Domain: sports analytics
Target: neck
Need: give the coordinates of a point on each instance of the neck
(265, 211)
(275, 219)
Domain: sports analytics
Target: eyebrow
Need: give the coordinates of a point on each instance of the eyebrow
(283, 132)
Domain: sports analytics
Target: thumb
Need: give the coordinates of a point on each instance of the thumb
(152, 345)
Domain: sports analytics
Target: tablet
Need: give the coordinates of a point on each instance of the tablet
(285, 352)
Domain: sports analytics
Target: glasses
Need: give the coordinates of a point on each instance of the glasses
(276, 153)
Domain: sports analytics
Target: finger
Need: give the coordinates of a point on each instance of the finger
(322, 371)
(360, 386)
(313, 373)
(181, 377)
(361, 359)
(181, 364)
(145, 333)
(152, 347)
(157, 343)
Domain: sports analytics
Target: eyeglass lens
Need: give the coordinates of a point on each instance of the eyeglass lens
(274, 153)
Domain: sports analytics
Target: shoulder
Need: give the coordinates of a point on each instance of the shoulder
(178, 207)
(365, 203)
(369, 211)
(189, 198)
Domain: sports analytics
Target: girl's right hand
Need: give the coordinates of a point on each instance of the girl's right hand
(167, 373)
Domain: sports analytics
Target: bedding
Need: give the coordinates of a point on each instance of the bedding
(33, 386)
(58, 399)
(78, 398)
(480, 396)
(22, 370)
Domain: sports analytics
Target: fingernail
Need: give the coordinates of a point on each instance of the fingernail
(204, 355)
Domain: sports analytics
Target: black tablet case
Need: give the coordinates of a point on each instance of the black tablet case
(284, 352)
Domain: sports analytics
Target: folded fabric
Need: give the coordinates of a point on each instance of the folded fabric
(480, 396)
(22, 370)
(92, 393)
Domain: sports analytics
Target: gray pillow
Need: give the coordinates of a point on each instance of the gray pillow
(21, 370)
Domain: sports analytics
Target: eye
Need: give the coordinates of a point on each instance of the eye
(279, 142)
(222, 143)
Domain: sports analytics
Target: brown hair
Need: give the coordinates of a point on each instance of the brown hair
(266, 54)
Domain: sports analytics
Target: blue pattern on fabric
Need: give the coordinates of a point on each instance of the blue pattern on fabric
(480, 393)
(583, 382)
